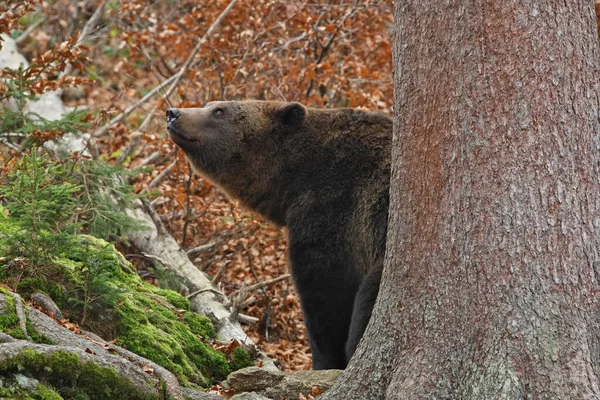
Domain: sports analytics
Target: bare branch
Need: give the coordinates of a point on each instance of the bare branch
(221, 271)
(247, 319)
(201, 249)
(161, 176)
(133, 107)
(173, 80)
(243, 297)
(260, 285)
(85, 32)
(215, 291)
(10, 145)
(150, 159)
(30, 29)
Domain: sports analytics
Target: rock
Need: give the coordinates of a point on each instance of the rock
(275, 385)
(4, 308)
(253, 379)
(26, 383)
(249, 396)
(47, 304)
(10, 56)
(193, 394)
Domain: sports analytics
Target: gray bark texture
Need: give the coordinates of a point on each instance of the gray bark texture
(490, 287)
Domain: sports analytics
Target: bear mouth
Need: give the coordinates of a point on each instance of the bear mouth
(178, 136)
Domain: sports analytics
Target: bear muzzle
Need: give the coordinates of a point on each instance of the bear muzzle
(173, 115)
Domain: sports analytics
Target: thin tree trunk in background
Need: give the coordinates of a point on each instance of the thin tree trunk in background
(490, 288)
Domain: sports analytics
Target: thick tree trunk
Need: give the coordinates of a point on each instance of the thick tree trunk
(490, 288)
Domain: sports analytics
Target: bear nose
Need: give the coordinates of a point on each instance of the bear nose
(172, 114)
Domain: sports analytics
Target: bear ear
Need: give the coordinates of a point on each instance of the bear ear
(291, 114)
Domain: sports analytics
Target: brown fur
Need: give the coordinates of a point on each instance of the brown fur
(322, 173)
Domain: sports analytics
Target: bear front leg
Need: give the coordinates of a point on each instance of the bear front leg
(327, 312)
(326, 289)
(362, 310)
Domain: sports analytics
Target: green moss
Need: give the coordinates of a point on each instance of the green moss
(28, 286)
(174, 298)
(156, 332)
(99, 286)
(199, 324)
(240, 358)
(9, 321)
(43, 392)
(152, 322)
(12, 390)
(72, 378)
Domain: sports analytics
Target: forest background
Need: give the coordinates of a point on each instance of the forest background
(137, 58)
(323, 54)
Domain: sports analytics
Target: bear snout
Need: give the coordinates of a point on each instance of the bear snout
(172, 115)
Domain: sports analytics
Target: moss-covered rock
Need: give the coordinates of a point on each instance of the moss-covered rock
(63, 375)
(9, 321)
(240, 358)
(18, 387)
(96, 286)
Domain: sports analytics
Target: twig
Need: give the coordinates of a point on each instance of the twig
(13, 134)
(161, 176)
(267, 315)
(243, 297)
(327, 46)
(10, 145)
(85, 32)
(160, 227)
(188, 208)
(221, 271)
(199, 44)
(30, 29)
(150, 159)
(136, 137)
(173, 80)
(201, 249)
(260, 285)
(133, 107)
(215, 291)
(247, 319)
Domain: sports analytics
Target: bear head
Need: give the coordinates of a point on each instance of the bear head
(237, 144)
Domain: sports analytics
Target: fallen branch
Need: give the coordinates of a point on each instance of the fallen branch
(263, 284)
(243, 297)
(10, 145)
(247, 319)
(148, 160)
(217, 278)
(204, 299)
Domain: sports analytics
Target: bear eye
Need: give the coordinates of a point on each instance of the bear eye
(218, 112)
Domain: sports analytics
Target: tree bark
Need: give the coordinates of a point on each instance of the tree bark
(490, 287)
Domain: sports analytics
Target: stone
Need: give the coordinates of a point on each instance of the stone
(254, 381)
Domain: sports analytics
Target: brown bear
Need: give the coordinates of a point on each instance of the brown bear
(324, 174)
